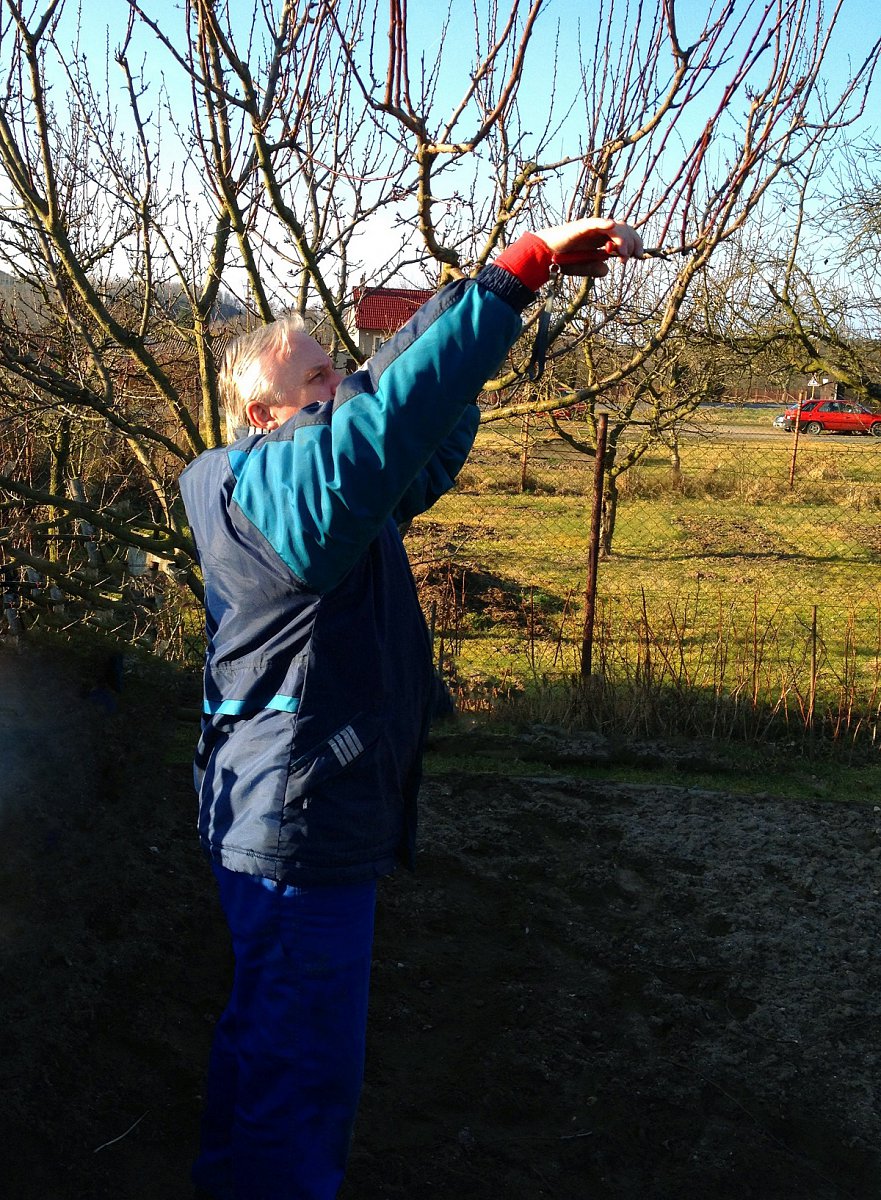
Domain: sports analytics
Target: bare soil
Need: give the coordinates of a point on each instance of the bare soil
(587, 990)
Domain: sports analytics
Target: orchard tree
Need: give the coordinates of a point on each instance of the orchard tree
(278, 152)
(644, 410)
(809, 300)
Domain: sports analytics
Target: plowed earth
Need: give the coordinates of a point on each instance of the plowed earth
(587, 990)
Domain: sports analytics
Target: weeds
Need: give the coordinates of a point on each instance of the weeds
(667, 671)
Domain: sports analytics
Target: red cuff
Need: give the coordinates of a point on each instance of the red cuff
(529, 259)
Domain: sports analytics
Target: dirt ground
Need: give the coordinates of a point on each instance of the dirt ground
(586, 991)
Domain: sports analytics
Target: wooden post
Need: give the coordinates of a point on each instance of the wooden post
(596, 528)
(801, 397)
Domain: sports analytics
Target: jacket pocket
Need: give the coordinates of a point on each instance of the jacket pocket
(339, 752)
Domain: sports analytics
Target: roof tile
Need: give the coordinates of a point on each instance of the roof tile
(387, 309)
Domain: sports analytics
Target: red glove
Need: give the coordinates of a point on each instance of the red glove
(580, 247)
(529, 259)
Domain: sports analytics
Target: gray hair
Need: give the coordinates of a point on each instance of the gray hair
(243, 372)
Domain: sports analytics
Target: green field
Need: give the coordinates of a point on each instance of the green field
(724, 578)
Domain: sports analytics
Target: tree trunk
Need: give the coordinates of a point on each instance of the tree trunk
(524, 455)
(610, 512)
(675, 461)
(59, 461)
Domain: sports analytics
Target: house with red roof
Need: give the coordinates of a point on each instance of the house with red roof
(377, 312)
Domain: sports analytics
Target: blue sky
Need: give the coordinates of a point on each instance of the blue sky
(859, 24)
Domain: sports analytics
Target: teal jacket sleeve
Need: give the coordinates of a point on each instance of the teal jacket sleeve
(321, 487)
(439, 474)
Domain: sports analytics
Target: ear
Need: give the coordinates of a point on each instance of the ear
(260, 415)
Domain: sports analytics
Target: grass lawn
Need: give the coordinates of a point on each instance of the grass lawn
(715, 572)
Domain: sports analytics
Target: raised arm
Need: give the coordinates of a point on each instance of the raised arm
(581, 247)
(321, 486)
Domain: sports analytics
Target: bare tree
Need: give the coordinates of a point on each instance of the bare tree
(810, 305)
(261, 158)
(739, 111)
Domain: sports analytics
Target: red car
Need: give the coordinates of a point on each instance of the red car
(834, 416)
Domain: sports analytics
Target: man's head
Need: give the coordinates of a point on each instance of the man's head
(270, 374)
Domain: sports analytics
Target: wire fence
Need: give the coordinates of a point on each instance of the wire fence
(741, 560)
(741, 563)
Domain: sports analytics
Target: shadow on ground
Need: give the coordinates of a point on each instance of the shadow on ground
(587, 990)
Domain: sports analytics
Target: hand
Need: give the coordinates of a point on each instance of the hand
(583, 247)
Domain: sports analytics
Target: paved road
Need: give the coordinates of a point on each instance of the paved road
(779, 437)
(776, 439)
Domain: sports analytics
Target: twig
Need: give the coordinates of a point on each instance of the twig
(113, 1141)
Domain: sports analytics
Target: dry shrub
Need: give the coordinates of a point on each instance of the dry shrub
(478, 478)
(825, 466)
(669, 669)
(505, 476)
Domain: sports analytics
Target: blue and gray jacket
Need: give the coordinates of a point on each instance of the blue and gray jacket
(318, 674)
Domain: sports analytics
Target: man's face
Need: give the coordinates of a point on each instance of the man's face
(303, 377)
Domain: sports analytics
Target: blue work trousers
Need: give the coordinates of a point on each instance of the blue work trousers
(287, 1062)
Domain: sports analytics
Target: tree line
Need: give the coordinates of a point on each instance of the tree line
(258, 156)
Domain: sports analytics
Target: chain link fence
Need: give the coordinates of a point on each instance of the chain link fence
(740, 560)
(740, 563)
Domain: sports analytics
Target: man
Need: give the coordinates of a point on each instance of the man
(319, 687)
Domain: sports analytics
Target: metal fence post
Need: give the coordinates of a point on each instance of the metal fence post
(593, 557)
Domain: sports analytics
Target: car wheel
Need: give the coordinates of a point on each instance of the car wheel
(813, 427)
(876, 429)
